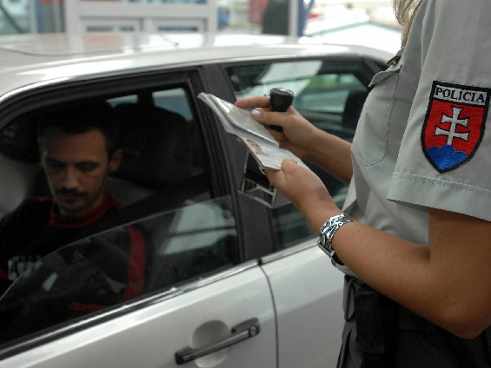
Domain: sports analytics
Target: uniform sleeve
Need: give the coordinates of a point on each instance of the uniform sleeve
(444, 159)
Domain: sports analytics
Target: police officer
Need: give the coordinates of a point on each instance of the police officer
(414, 235)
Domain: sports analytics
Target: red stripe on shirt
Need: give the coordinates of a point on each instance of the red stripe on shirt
(96, 214)
(136, 264)
(4, 275)
(86, 308)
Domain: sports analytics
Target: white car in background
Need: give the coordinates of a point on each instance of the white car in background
(231, 282)
(374, 26)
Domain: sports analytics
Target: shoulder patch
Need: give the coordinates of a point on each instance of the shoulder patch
(454, 124)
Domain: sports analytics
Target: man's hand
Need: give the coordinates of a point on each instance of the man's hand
(305, 190)
(298, 133)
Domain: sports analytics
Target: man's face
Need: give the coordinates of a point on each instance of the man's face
(76, 166)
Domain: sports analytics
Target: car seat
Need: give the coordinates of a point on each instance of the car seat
(17, 178)
(158, 146)
(18, 167)
(352, 109)
(156, 143)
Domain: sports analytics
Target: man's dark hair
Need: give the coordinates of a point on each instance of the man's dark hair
(81, 118)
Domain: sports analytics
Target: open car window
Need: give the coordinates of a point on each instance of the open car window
(165, 225)
(328, 94)
(116, 266)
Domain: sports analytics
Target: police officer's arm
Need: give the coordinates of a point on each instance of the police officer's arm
(447, 282)
(303, 138)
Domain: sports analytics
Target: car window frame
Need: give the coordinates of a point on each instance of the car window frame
(367, 66)
(363, 67)
(254, 220)
(25, 100)
(222, 151)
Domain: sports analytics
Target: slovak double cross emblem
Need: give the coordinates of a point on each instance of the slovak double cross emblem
(454, 124)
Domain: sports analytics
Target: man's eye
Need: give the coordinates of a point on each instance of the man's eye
(55, 165)
(87, 166)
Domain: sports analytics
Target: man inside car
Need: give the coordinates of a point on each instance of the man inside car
(78, 150)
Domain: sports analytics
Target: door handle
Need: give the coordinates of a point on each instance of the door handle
(243, 331)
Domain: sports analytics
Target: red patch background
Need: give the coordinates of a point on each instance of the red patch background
(438, 109)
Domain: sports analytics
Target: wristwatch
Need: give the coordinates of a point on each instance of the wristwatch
(328, 230)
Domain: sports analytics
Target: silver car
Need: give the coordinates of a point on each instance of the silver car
(230, 280)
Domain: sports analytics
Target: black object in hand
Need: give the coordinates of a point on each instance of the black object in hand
(280, 100)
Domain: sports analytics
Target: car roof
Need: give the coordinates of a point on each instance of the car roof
(27, 61)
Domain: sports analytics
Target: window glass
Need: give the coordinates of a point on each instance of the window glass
(289, 226)
(130, 99)
(105, 270)
(174, 100)
(139, 180)
(328, 92)
(329, 96)
(331, 99)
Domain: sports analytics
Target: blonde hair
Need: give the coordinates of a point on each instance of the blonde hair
(404, 10)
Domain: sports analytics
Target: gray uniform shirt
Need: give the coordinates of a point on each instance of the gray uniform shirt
(422, 140)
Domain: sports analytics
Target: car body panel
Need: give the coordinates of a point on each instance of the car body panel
(307, 297)
(150, 336)
(26, 70)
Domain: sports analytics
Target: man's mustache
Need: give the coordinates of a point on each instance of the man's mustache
(70, 192)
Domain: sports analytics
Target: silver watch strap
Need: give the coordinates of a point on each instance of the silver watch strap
(327, 233)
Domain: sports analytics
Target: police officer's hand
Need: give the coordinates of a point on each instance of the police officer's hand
(298, 132)
(305, 189)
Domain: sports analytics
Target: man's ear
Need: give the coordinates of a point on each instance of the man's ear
(115, 160)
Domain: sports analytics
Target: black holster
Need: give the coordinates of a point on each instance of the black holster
(375, 318)
(384, 334)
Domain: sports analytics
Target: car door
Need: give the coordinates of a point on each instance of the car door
(203, 304)
(307, 290)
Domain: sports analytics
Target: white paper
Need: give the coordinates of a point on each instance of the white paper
(269, 156)
(239, 122)
(235, 119)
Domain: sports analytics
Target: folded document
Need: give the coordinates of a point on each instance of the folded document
(239, 122)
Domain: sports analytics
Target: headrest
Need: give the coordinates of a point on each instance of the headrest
(17, 178)
(156, 143)
(18, 140)
(352, 108)
(76, 118)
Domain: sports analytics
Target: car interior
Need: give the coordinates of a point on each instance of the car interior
(162, 184)
(164, 166)
(159, 152)
(329, 96)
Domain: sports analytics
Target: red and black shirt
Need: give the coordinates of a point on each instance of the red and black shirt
(35, 229)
